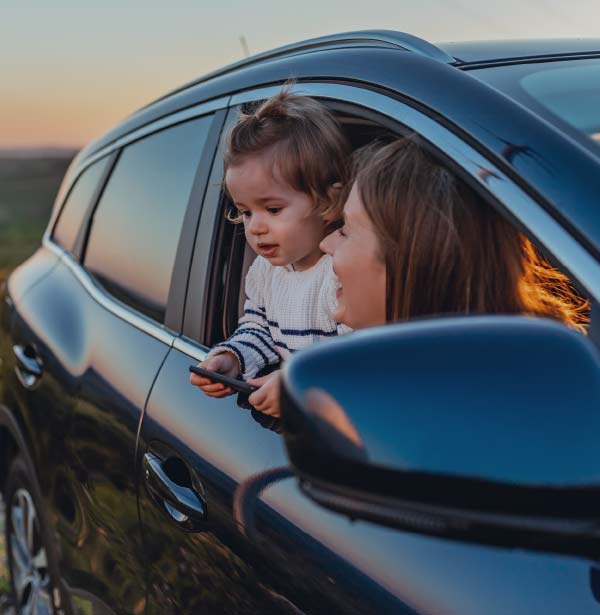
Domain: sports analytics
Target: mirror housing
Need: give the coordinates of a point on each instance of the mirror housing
(481, 428)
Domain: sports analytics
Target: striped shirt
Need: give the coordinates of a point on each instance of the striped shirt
(285, 310)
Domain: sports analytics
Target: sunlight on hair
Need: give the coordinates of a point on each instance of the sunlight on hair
(546, 291)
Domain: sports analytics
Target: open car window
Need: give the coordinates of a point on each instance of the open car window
(233, 256)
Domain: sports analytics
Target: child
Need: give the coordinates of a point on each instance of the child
(284, 165)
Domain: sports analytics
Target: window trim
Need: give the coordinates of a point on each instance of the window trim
(121, 310)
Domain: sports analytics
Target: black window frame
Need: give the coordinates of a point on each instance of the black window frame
(200, 307)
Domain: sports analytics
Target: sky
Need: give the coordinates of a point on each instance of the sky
(71, 69)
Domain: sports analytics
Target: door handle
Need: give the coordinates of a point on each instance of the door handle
(29, 367)
(170, 486)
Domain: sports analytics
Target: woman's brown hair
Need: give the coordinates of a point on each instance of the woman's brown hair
(304, 140)
(448, 251)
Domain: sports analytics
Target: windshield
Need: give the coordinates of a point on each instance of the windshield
(566, 93)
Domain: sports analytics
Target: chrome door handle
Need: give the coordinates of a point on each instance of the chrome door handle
(29, 367)
(182, 502)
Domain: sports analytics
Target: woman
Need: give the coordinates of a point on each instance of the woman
(418, 242)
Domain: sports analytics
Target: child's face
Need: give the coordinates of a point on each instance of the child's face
(281, 224)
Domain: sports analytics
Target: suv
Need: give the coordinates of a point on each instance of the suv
(129, 491)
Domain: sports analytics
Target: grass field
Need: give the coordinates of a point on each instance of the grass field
(28, 187)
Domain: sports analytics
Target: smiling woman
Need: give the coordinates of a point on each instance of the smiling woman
(359, 267)
(418, 242)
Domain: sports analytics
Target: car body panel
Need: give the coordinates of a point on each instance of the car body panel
(82, 422)
(296, 554)
(24, 277)
(220, 568)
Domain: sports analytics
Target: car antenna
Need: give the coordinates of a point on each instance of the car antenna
(244, 44)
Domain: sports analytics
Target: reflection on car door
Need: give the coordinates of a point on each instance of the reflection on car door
(122, 300)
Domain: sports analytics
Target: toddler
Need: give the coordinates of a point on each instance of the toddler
(284, 166)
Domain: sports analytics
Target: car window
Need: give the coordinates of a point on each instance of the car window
(235, 257)
(78, 203)
(136, 227)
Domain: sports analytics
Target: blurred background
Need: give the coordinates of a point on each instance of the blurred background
(70, 70)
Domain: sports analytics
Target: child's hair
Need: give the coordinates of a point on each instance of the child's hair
(446, 250)
(304, 140)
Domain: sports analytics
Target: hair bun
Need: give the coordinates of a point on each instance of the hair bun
(279, 106)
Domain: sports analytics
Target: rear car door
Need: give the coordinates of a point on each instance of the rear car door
(103, 323)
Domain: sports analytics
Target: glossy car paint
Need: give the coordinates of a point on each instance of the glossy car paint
(109, 373)
(83, 419)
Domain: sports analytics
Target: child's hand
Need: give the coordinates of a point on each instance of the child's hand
(224, 363)
(266, 399)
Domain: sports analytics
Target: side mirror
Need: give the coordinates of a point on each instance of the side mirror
(482, 429)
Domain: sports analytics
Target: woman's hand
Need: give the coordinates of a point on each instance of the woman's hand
(266, 399)
(225, 363)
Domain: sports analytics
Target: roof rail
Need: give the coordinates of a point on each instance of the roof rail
(390, 38)
(401, 40)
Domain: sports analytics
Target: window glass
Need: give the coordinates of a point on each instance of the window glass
(77, 204)
(136, 227)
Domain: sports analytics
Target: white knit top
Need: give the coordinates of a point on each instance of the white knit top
(285, 310)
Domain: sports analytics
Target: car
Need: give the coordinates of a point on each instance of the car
(129, 491)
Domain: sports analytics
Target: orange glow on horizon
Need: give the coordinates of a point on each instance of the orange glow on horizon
(71, 111)
(68, 121)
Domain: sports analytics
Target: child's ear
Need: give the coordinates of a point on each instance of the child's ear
(333, 212)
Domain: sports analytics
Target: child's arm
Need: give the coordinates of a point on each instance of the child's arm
(266, 399)
(251, 343)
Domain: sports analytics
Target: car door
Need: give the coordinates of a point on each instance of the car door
(118, 311)
(226, 527)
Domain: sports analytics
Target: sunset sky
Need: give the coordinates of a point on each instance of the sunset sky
(71, 69)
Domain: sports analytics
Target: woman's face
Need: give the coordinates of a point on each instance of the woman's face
(358, 266)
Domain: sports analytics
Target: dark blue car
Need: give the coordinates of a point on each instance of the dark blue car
(129, 491)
